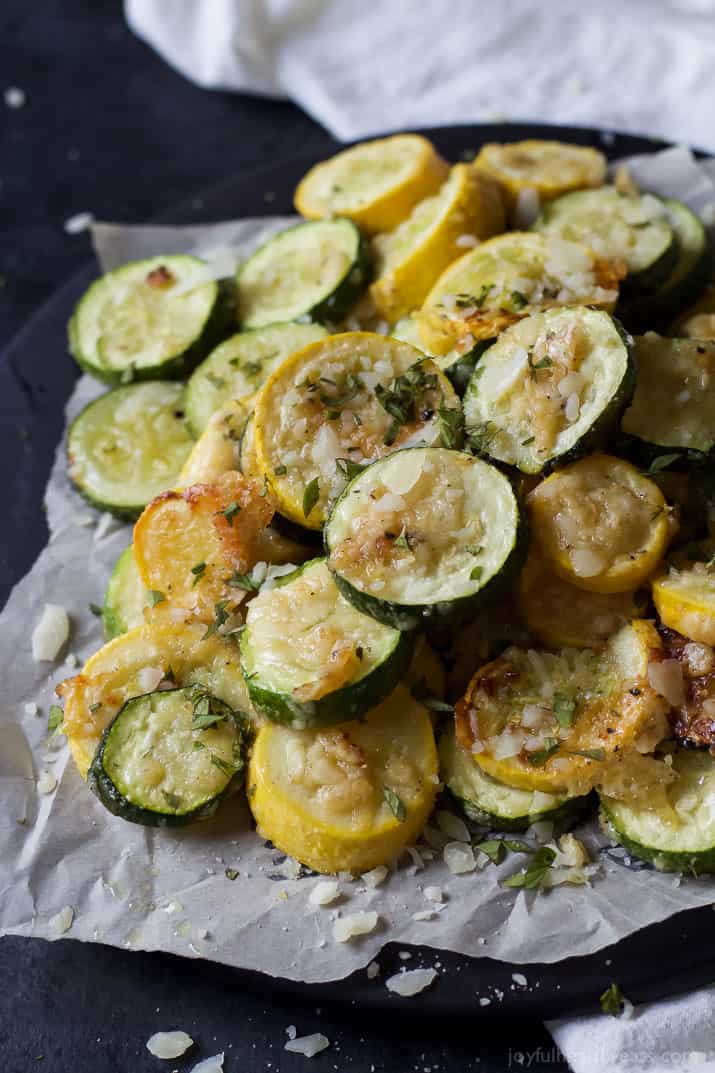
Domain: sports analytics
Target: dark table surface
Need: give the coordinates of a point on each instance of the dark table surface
(107, 128)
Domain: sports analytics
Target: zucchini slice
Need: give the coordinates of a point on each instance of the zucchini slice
(600, 524)
(125, 598)
(557, 721)
(676, 830)
(169, 758)
(240, 365)
(150, 319)
(333, 665)
(349, 798)
(216, 451)
(548, 168)
(673, 408)
(424, 536)
(684, 595)
(338, 404)
(376, 183)
(194, 547)
(692, 716)
(560, 615)
(137, 662)
(313, 271)
(127, 446)
(549, 388)
(409, 260)
(495, 805)
(633, 227)
(457, 364)
(686, 279)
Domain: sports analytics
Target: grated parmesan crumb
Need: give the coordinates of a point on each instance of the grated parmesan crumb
(46, 782)
(169, 1044)
(61, 922)
(214, 1064)
(324, 892)
(50, 634)
(373, 970)
(81, 221)
(346, 928)
(375, 876)
(30, 708)
(434, 894)
(308, 1046)
(412, 982)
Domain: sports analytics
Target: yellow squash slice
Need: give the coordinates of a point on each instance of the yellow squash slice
(567, 721)
(549, 168)
(134, 664)
(189, 545)
(376, 184)
(216, 450)
(319, 415)
(560, 615)
(410, 259)
(600, 524)
(508, 277)
(349, 798)
(684, 594)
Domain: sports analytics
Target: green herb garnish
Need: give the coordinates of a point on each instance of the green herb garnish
(612, 1001)
(311, 495)
(496, 849)
(221, 616)
(54, 719)
(539, 758)
(662, 462)
(242, 581)
(564, 708)
(172, 800)
(534, 874)
(451, 426)
(155, 597)
(231, 511)
(231, 873)
(348, 468)
(476, 573)
(198, 571)
(396, 804)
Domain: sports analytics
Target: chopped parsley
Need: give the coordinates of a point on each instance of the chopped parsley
(590, 754)
(172, 800)
(54, 719)
(451, 426)
(535, 872)
(221, 615)
(518, 301)
(348, 468)
(223, 765)
(242, 581)
(95, 609)
(539, 758)
(231, 873)
(612, 1001)
(564, 708)
(280, 471)
(154, 596)
(198, 571)
(401, 400)
(311, 495)
(496, 849)
(231, 511)
(396, 804)
(337, 399)
(476, 573)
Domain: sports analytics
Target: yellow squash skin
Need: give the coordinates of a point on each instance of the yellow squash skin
(548, 167)
(216, 450)
(621, 722)
(376, 184)
(111, 676)
(318, 796)
(410, 259)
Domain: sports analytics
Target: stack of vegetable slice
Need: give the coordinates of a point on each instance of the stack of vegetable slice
(460, 413)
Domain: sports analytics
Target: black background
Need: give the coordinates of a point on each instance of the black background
(108, 128)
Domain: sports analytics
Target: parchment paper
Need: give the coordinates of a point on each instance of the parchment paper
(146, 889)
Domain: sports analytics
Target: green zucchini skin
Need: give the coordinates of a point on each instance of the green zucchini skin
(343, 704)
(621, 821)
(118, 804)
(216, 327)
(460, 372)
(600, 428)
(686, 281)
(574, 204)
(124, 598)
(433, 617)
(471, 798)
(336, 303)
(90, 487)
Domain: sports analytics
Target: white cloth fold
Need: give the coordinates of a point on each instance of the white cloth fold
(359, 68)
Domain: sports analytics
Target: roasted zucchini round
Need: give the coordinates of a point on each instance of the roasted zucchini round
(424, 536)
(333, 665)
(129, 445)
(549, 388)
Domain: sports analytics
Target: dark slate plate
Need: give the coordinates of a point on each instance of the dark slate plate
(36, 377)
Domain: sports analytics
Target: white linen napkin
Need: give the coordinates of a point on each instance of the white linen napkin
(359, 68)
(674, 1036)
